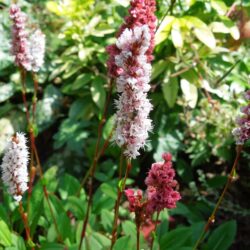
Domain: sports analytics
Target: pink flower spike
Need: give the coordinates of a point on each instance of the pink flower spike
(160, 186)
(242, 132)
(129, 64)
(20, 42)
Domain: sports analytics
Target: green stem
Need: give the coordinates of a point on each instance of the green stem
(211, 218)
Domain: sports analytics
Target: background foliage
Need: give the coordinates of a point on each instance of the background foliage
(200, 70)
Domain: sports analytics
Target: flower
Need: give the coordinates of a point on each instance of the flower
(37, 49)
(134, 199)
(242, 132)
(161, 186)
(28, 46)
(129, 64)
(14, 166)
(160, 192)
(141, 13)
(20, 42)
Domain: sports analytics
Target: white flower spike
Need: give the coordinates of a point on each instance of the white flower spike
(14, 166)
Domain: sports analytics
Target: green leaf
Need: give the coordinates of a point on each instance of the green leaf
(109, 190)
(102, 240)
(36, 207)
(190, 93)
(201, 30)
(167, 143)
(56, 207)
(158, 68)
(176, 238)
(52, 246)
(6, 91)
(108, 127)
(219, 6)
(222, 237)
(162, 228)
(76, 206)
(164, 29)
(227, 27)
(123, 243)
(82, 109)
(49, 107)
(7, 130)
(80, 81)
(217, 181)
(63, 223)
(98, 92)
(51, 179)
(176, 34)
(3, 214)
(170, 91)
(68, 186)
(219, 27)
(18, 243)
(129, 228)
(107, 219)
(73, 134)
(5, 234)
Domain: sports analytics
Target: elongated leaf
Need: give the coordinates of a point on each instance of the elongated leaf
(68, 185)
(219, 6)
(123, 243)
(176, 34)
(164, 29)
(158, 68)
(176, 238)
(170, 91)
(6, 91)
(109, 190)
(190, 93)
(201, 30)
(222, 237)
(5, 234)
(98, 92)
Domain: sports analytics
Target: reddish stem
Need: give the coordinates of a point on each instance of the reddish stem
(25, 222)
(211, 218)
(154, 231)
(34, 153)
(120, 191)
(94, 164)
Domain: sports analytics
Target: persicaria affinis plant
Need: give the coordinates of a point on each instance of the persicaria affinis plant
(160, 191)
(28, 46)
(14, 166)
(129, 65)
(242, 132)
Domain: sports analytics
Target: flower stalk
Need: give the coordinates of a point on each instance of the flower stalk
(212, 217)
(91, 173)
(120, 190)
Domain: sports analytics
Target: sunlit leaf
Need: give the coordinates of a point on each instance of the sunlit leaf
(176, 34)
(190, 93)
(164, 29)
(201, 31)
(219, 6)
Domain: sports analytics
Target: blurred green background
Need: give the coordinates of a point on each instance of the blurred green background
(200, 70)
